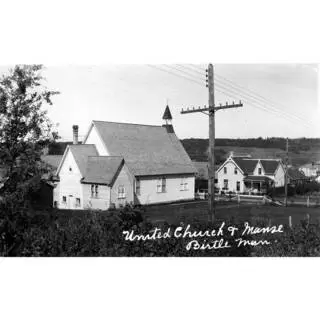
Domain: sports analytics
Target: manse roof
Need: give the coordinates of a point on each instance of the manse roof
(102, 170)
(246, 165)
(147, 150)
(257, 178)
(81, 153)
(270, 166)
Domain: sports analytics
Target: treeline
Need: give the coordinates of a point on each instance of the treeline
(57, 148)
(302, 144)
(198, 148)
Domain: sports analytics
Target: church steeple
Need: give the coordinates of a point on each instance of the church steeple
(167, 117)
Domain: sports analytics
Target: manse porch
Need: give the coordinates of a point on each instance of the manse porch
(257, 184)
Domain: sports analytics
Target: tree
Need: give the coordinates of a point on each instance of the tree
(25, 130)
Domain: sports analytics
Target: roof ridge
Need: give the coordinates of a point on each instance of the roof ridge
(81, 144)
(134, 124)
(105, 156)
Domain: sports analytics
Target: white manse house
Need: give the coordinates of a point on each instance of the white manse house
(121, 163)
(243, 174)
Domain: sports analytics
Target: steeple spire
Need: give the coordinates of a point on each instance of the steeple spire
(168, 118)
(167, 115)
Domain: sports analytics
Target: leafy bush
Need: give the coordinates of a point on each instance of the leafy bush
(70, 234)
(308, 187)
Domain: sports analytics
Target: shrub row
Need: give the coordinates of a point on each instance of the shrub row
(95, 234)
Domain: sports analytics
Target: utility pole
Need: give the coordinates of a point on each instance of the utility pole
(286, 174)
(211, 159)
(210, 111)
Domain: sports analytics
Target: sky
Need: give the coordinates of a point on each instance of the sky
(139, 94)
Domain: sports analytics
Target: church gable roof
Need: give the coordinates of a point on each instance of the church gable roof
(102, 170)
(147, 149)
(81, 153)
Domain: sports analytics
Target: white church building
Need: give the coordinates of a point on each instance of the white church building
(124, 163)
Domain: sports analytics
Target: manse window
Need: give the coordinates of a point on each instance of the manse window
(94, 191)
(78, 202)
(161, 185)
(235, 171)
(260, 170)
(121, 192)
(225, 184)
(64, 199)
(225, 170)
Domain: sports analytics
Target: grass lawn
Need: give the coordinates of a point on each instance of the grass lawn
(189, 212)
(198, 211)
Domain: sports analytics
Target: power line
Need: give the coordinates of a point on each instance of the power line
(175, 74)
(192, 70)
(253, 95)
(186, 72)
(253, 101)
(257, 96)
(257, 104)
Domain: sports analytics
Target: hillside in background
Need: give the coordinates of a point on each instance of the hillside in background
(301, 151)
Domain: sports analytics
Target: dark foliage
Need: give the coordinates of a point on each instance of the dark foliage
(25, 130)
(71, 234)
(305, 188)
(57, 147)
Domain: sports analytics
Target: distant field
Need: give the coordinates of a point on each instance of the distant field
(296, 159)
(301, 151)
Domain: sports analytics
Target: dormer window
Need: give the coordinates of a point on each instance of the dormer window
(235, 171)
(259, 171)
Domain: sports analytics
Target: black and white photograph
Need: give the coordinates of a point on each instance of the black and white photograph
(159, 159)
(165, 160)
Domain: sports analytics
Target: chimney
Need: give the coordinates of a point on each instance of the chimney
(75, 130)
